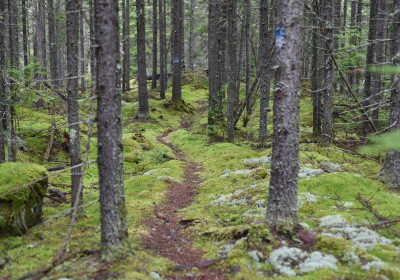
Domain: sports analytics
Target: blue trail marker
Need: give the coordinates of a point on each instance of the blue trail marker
(279, 37)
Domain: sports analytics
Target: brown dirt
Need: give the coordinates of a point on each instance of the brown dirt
(165, 237)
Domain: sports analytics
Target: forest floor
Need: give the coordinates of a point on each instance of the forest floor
(196, 204)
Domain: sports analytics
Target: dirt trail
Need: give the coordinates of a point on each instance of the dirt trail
(165, 236)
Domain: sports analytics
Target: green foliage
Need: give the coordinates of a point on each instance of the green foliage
(382, 143)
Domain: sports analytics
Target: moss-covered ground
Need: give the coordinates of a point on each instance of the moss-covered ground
(231, 199)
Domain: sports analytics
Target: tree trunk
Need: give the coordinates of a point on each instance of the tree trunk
(82, 46)
(127, 44)
(315, 83)
(41, 44)
(182, 35)
(369, 62)
(232, 66)
(352, 38)
(247, 11)
(282, 196)
(123, 20)
(3, 79)
(162, 49)
(72, 90)
(25, 39)
(114, 228)
(92, 41)
(380, 35)
(52, 44)
(213, 78)
(265, 79)
(327, 125)
(223, 22)
(14, 64)
(154, 77)
(390, 171)
(176, 52)
(143, 111)
(191, 36)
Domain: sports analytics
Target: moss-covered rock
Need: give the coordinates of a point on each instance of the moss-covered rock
(22, 208)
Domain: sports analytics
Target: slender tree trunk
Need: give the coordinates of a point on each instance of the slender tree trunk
(232, 66)
(143, 111)
(3, 79)
(60, 47)
(176, 52)
(247, 13)
(162, 49)
(72, 18)
(353, 37)
(239, 65)
(380, 33)
(52, 44)
(92, 40)
(41, 44)
(282, 195)
(25, 39)
(315, 83)
(114, 228)
(191, 36)
(123, 45)
(327, 125)
(154, 76)
(213, 80)
(223, 23)
(265, 79)
(368, 90)
(14, 64)
(82, 46)
(182, 35)
(390, 171)
(127, 44)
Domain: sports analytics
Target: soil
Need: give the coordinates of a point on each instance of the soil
(166, 237)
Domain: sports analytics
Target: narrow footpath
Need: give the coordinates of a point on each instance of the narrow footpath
(166, 237)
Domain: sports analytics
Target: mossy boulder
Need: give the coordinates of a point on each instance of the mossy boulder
(22, 208)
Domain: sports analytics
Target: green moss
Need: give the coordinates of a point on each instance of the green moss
(20, 209)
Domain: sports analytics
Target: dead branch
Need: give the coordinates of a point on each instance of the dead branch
(50, 145)
(384, 223)
(54, 198)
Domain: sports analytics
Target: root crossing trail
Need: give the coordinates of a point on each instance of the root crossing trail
(165, 236)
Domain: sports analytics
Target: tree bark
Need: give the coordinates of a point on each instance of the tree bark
(315, 82)
(232, 66)
(14, 64)
(82, 46)
(369, 62)
(282, 195)
(191, 36)
(327, 125)
(72, 90)
(213, 79)
(127, 44)
(123, 20)
(92, 41)
(176, 52)
(3, 79)
(25, 39)
(380, 35)
(154, 76)
(41, 44)
(162, 49)
(143, 111)
(247, 14)
(223, 22)
(114, 228)
(265, 79)
(52, 44)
